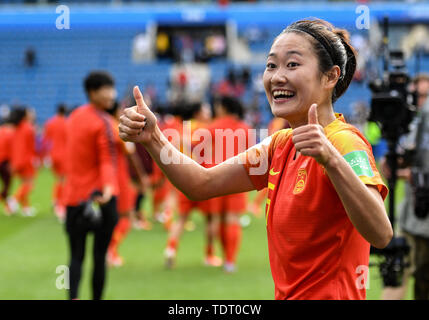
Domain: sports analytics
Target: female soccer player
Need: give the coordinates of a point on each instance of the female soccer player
(23, 154)
(91, 179)
(325, 201)
(229, 112)
(127, 193)
(56, 137)
(198, 117)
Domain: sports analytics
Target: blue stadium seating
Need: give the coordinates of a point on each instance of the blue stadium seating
(63, 58)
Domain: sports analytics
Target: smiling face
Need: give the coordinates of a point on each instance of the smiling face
(292, 79)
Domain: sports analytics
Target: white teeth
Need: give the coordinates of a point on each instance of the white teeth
(287, 93)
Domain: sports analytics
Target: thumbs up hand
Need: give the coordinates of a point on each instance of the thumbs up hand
(137, 123)
(312, 114)
(310, 140)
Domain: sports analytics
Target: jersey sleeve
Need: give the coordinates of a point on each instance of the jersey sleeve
(256, 163)
(358, 154)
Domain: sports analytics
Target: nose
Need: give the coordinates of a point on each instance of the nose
(279, 77)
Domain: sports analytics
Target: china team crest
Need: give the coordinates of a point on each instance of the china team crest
(301, 179)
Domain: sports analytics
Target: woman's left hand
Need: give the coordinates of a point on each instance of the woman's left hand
(310, 140)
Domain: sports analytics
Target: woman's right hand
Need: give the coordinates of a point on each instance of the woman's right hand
(138, 123)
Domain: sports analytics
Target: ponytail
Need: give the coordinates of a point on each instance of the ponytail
(350, 67)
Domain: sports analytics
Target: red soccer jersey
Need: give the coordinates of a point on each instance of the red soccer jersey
(24, 149)
(91, 154)
(315, 252)
(6, 139)
(127, 194)
(55, 134)
(194, 136)
(171, 126)
(193, 143)
(230, 136)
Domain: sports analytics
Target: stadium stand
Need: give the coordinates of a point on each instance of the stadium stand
(105, 41)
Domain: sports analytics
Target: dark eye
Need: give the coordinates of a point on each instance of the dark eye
(270, 65)
(292, 64)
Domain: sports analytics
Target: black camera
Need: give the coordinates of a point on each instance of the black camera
(392, 103)
(393, 107)
(395, 261)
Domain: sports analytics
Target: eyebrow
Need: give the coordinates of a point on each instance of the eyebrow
(288, 53)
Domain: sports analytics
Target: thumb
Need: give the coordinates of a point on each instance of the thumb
(312, 114)
(141, 105)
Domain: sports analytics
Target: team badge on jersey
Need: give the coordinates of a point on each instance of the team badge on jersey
(301, 179)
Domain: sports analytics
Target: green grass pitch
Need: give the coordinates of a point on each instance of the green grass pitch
(31, 249)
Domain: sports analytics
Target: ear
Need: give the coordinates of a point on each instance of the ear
(331, 77)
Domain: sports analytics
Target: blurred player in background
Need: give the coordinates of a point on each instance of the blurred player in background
(197, 116)
(164, 197)
(127, 192)
(6, 140)
(91, 180)
(141, 168)
(229, 112)
(56, 139)
(23, 154)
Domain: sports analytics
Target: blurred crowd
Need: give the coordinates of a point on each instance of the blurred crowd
(101, 182)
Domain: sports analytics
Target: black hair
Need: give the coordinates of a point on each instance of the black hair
(97, 79)
(62, 109)
(17, 114)
(332, 47)
(188, 111)
(231, 105)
